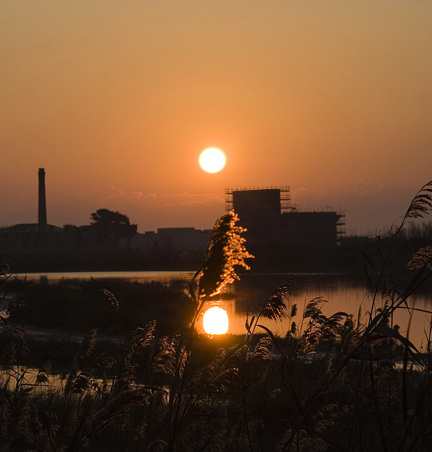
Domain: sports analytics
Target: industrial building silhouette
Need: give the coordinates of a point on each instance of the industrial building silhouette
(273, 225)
(43, 238)
(276, 231)
(42, 212)
(39, 236)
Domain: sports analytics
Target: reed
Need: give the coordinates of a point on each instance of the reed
(334, 383)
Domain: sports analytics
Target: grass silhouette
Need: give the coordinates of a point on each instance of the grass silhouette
(332, 384)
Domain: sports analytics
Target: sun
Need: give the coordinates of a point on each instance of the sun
(215, 321)
(212, 160)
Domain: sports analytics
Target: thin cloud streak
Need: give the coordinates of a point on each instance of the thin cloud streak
(153, 199)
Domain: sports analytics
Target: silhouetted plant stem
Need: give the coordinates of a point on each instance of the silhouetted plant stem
(375, 400)
(420, 205)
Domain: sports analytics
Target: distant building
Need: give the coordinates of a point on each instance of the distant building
(275, 229)
(28, 237)
(42, 211)
(272, 222)
(38, 236)
(170, 239)
(42, 237)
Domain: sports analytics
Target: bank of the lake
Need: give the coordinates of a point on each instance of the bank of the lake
(144, 296)
(131, 395)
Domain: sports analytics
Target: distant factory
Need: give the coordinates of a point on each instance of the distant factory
(42, 237)
(169, 239)
(269, 218)
(31, 236)
(276, 231)
(275, 227)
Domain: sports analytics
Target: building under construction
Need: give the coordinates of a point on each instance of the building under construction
(274, 225)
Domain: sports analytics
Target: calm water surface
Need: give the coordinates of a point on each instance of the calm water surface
(341, 294)
(139, 276)
(245, 297)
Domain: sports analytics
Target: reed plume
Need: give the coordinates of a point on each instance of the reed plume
(209, 373)
(421, 204)
(276, 304)
(112, 300)
(139, 339)
(166, 359)
(87, 345)
(422, 257)
(5, 269)
(135, 341)
(225, 251)
(120, 403)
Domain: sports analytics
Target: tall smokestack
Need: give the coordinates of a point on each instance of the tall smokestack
(42, 217)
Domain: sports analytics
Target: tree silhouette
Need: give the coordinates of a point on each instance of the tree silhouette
(112, 225)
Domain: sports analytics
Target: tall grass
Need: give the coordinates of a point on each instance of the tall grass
(334, 383)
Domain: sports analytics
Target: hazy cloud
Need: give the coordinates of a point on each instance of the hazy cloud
(109, 194)
(151, 210)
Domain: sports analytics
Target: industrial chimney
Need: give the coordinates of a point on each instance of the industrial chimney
(42, 214)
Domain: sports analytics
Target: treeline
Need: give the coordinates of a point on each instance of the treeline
(348, 257)
(395, 251)
(118, 260)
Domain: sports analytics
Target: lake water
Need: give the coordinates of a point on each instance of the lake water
(245, 297)
(139, 276)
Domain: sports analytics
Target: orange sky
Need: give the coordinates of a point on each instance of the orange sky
(117, 99)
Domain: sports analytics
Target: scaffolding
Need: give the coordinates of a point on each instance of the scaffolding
(340, 225)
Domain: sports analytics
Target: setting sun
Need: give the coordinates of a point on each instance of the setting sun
(212, 160)
(215, 321)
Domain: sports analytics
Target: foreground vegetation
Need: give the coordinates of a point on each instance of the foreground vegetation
(367, 388)
(112, 306)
